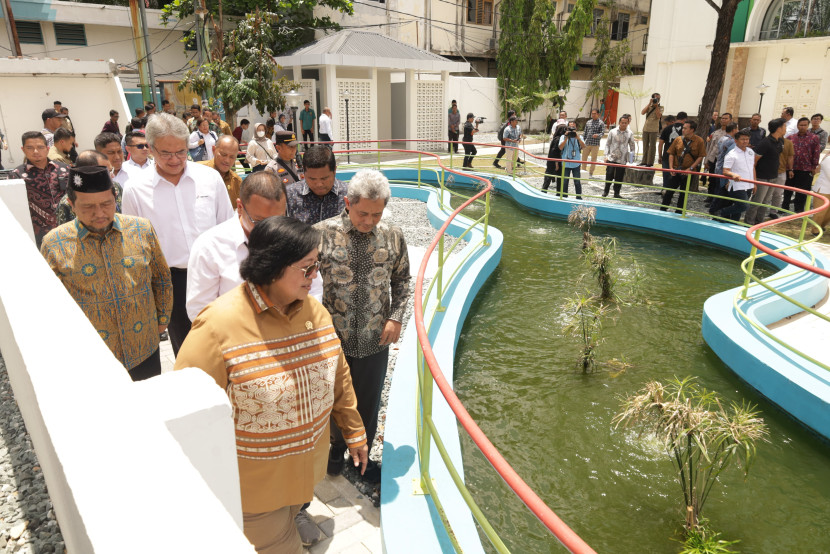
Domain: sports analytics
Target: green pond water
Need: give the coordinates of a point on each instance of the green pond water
(516, 374)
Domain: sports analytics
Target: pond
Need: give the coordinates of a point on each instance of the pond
(516, 374)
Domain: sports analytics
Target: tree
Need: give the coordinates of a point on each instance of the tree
(610, 62)
(293, 21)
(717, 63)
(533, 54)
(246, 72)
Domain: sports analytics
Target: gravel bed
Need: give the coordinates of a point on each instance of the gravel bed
(27, 520)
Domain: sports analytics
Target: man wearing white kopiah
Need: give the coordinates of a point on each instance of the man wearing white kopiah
(182, 200)
(365, 268)
(213, 267)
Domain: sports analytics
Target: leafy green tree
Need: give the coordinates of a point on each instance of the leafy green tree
(246, 72)
(293, 21)
(611, 61)
(534, 56)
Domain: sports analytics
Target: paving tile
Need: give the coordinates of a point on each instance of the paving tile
(326, 491)
(319, 511)
(373, 544)
(340, 522)
(352, 536)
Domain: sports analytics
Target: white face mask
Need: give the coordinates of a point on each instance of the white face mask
(260, 134)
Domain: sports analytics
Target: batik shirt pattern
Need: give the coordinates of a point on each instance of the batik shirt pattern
(310, 208)
(44, 189)
(120, 280)
(365, 281)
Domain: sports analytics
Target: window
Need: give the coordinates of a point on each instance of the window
(796, 18)
(29, 32)
(619, 28)
(597, 19)
(480, 12)
(70, 33)
(643, 20)
(571, 7)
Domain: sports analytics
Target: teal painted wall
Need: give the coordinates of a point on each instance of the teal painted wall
(32, 10)
(741, 20)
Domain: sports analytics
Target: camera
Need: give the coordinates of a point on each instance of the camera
(655, 100)
(571, 133)
(480, 120)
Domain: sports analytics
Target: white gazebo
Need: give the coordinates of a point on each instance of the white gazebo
(393, 90)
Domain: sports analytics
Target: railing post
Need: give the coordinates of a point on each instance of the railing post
(486, 216)
(805, 218)
(451, 154)
(439, 290)
(561, 185)
(378, 156)
(686, 196)
(419, 169)
(424, 437)
(751, 265)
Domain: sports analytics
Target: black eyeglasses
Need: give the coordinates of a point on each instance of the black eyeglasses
(139, 146)
(310, 270)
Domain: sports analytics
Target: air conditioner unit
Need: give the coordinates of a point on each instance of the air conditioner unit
(491, 44)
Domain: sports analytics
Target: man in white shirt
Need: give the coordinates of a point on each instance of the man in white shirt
(619, 145)
(182, 200)
(325, 125)
(139, 152)
(213, 268)
(109, 144)
(739, 166)
(791, 122)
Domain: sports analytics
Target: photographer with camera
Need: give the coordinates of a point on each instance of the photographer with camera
(571, 145)
(469, 149)
(651, 130)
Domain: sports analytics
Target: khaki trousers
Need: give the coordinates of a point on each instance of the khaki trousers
(592, 151)
(273, 532)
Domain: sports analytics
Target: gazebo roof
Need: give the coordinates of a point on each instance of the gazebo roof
(367, 49)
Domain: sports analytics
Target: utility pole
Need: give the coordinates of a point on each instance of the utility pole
(153, 90)
(11, 28)
(140, 50)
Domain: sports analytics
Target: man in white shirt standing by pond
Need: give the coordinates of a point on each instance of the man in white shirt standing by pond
(325, 125)
(738, 166)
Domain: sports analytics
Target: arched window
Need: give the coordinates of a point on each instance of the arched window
(796, 18)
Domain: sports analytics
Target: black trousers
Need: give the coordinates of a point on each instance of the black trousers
(678, 181)
(179, 322)
(502, 150)
(308, 136)
(368, 375)
(148, 368)
(469, 153)
(802, 180)
(453, 146)
(325, 138)
(615, 175)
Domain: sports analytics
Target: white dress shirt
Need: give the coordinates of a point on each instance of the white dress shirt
(325, 125)
(130, 164)
(213, 268)
(210, 142)
(179, 213)
(792, 127)
(741, 162)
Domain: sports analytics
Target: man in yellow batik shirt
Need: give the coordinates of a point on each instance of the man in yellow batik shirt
(113, 267)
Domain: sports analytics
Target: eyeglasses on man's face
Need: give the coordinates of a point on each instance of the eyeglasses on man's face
(181, 154)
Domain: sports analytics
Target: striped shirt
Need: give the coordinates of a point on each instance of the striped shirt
(285, 375)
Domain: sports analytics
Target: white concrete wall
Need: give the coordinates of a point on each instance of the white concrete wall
(88, 89)
(123, 474)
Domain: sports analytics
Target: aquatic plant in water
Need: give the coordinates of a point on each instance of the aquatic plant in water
(584, 319)
(701, 436)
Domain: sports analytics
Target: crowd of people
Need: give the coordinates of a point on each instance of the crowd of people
(287, 287)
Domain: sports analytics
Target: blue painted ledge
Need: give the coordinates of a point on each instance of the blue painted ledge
(410, 522)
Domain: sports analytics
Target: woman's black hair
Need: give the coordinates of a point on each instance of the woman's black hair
(276, 243)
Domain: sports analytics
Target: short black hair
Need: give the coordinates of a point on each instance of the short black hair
(165, 102)
(306, 102)
(244, 122)
(320, 156)
(113, 112)
(131, 135)
(741, 134)
(32, 135)
(148, 107)
(789, 110)
(800, 119)
(138, 122)
(682, 115)
(670, 119)
(774, 124)
(102, 140)
(511, 112)
(196, 107)
(726, 113)
(57, 102)
(692, 125)
(731, 127)
(817, 115)
(139, 112)
(470, 115)
(276, 243)
(62, 133)
(90, 157)
(264, 184)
